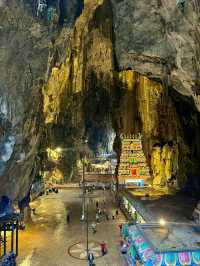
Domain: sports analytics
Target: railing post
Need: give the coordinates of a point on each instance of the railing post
(4, 239)
(12, 237)
(17, 237)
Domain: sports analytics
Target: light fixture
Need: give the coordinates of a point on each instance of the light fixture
(54, 154)
(59, 149)
(162, 222)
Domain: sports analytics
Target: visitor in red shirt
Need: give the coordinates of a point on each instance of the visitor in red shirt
(103, 248)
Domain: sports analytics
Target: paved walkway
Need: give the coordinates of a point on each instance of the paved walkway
(46, 240)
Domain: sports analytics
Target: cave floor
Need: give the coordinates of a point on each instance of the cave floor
(46, 240)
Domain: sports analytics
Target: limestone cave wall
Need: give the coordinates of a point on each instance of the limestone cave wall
(161, 40)
(149, 108)
(114, 66)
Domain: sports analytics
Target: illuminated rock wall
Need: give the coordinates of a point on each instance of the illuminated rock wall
(147, 108)
(165, 164)
(89, 59)
(86, 71)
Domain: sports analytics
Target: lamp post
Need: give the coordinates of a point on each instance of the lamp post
(83, 182)
(84, 203)
(87, 249)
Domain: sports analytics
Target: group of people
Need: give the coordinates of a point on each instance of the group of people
(104, 251)
(102, 213)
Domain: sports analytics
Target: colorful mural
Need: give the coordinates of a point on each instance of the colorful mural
(150, 258)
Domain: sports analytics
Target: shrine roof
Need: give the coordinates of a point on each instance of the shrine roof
(172, 236)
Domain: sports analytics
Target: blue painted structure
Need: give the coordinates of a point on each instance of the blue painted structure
(139, 246)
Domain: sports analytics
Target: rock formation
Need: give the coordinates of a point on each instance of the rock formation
(107, 68)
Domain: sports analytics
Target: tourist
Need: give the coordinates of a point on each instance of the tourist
(121, 242)
(116, 213)
(82, 218)
(68, 217)
(99, 212)
(22, 225)
(97, 204)
(97, 218)
(124, 248)
(94, 228)
(103, 248)
(120, 228)
(91, 259)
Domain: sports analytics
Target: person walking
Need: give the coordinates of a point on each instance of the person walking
(94, 228)
(97, 204)
(124, 248)
(68, 217)
(120, 229)
(107, 217)
(91, 259)
(99, 212)
(97, 218)
(103, 248)
(116, 213)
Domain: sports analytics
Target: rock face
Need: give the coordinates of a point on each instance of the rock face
(154, 113)
(160, 40)
(23, 57)
(26, 48)
(120, 67)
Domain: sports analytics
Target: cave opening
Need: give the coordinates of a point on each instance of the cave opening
(97, 112)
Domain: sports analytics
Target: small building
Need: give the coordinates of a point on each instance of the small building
(169, 244)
